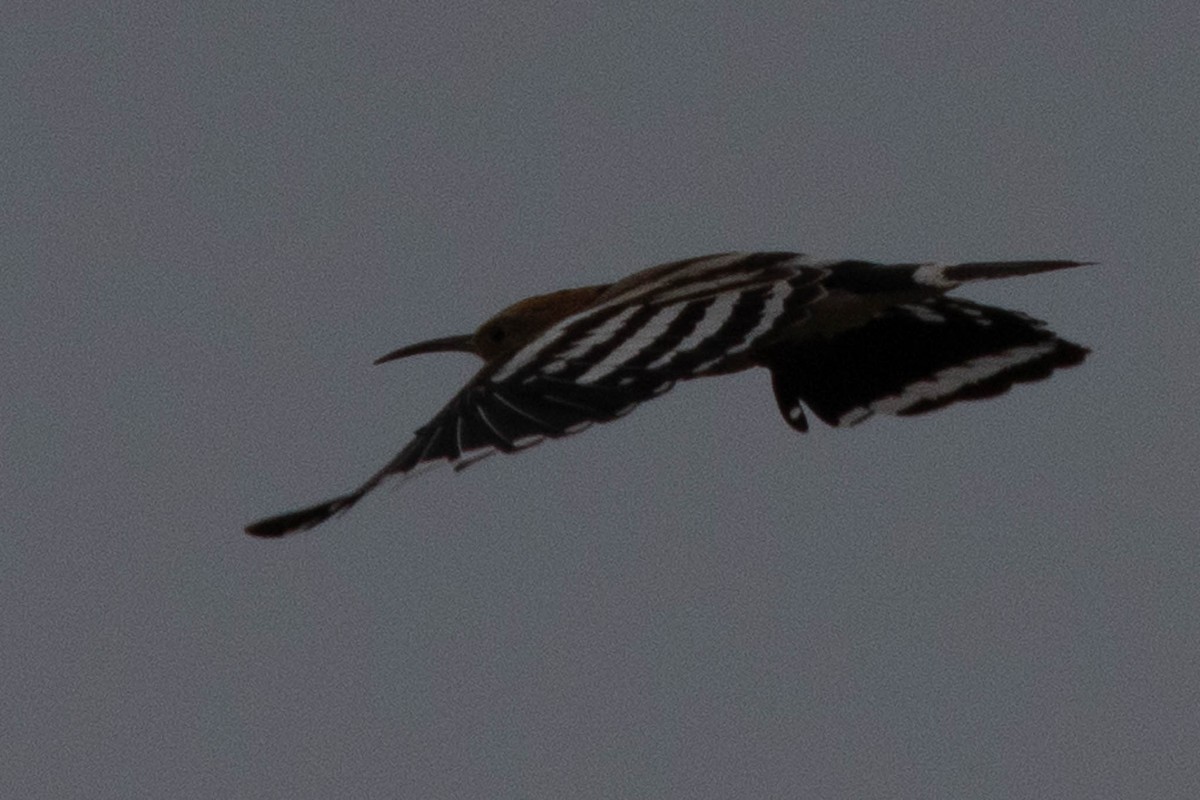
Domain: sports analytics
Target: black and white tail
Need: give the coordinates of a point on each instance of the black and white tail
(914, 358)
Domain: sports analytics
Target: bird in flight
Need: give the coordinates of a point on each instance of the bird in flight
(847, 339)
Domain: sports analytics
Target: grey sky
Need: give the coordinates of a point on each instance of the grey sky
(211, 221)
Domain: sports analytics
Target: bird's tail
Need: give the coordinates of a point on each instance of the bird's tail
(987, 270)
(914, 358)
(868, 278)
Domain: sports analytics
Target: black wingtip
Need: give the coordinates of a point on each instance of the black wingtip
(302, 520)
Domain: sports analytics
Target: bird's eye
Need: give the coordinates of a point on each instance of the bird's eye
(497, 335)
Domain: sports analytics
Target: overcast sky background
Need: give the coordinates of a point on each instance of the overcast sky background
(212, 219)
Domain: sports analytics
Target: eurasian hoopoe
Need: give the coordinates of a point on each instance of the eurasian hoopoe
(847, 338)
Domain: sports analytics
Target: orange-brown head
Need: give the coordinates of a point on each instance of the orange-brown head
(511, 329)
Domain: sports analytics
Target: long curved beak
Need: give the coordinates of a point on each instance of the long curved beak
(453, 344)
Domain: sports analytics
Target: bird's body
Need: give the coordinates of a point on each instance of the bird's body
(846, 338)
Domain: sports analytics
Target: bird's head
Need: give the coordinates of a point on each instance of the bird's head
(511, 329)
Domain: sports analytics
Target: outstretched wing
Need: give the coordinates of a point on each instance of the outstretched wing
(598, 365)
(695, 318)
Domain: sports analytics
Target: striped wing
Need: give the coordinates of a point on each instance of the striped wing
(598, 365)
(678, 321)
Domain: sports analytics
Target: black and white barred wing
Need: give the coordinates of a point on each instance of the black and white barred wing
(674, 322)
(708, 275)
(600, 364)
